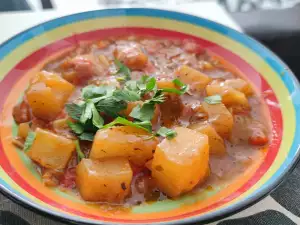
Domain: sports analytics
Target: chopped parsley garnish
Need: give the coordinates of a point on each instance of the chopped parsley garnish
(123, 70)
(183, 88)
(146, 125)
(80, 154)
(213, 100)
(29, 141)
(166, 132)
(104, 100)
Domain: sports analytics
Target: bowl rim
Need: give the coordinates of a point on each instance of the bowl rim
(204, 219)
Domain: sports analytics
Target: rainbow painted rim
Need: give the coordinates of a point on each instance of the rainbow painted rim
(27, 49)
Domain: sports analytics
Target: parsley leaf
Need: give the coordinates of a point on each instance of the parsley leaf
(74, 110)
(183, 88)
(92, 91)
(29, 141)
(123, 70)
(144, 113)
(87, 112)
(151, 84)
(86, 136)
(77, 128)
(166, 132)
(111, 106)
(158, 98)
(97, 119)
(127, 95)
(120, 120)
(214, 99)
(80, 154)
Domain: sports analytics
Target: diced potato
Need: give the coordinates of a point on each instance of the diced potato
(47, 95)
(230, 96)
(23, 130)
(105, 181)
(148, 164)
(220, 118)
(50, 150)
(131, 56)
(182, 162)
(43, 101)
(216, 143)
(239, 85)
(195, 78)
(60, 124)
(62, 88)
(166, 84)
(124, 141)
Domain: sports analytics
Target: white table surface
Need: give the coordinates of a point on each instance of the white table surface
(13, 23)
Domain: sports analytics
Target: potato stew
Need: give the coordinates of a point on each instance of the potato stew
(132, 119)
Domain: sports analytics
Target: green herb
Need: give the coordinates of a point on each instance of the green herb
(80, 154)
(29, 141)
(74, 110)
(77, 127)
(183, 88)
(97, 119)
(166, 132)
(127, 95)
(151, 84)
(158, 98)
(87, 112)
(144, 113)
(86, 136)
(123, 70)
(111, 106)
(214, 99)
(93, 91)
(120, 120)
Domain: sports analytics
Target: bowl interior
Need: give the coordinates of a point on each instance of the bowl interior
(25, 53)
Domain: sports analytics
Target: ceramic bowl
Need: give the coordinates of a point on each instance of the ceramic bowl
(21, 56)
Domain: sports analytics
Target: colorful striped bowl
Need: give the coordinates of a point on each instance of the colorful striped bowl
(22, 55)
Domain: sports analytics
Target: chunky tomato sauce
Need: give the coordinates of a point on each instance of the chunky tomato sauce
(132, 119)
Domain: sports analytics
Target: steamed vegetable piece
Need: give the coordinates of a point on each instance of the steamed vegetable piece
(240, 85)
(195, 78)
(23, 130)
(216, 143)
(182, 162)
(132, 56)
(51, 150)
(105, 181)
(126, 141)
(219, 117)
(47, 95)
(230, 96)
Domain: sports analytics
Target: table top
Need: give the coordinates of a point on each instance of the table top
(278, 208)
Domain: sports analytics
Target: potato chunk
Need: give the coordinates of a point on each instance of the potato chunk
(220, 118)
(47, 95)
(124, 141)
(105, 181)
(230, 96)
(194, 78)
(216, 143)
(182, 162)
(132, 56)
(23, 130)
(51, 150)
(240, 85)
